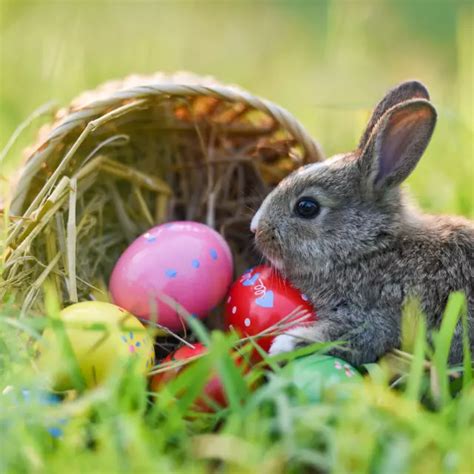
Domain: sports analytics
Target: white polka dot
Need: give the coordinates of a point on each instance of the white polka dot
(247, 322)
(304, 297)
(234, 310)
(228, 299)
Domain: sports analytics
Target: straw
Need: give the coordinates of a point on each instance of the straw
(133, 154)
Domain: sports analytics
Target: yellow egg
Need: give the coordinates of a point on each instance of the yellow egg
(102, 336)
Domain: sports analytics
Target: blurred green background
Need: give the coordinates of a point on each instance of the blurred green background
(328, 62)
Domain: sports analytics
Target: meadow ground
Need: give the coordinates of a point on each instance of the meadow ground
(328, 62)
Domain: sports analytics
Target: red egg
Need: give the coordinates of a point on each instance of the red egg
(261, 298)
(213, 390)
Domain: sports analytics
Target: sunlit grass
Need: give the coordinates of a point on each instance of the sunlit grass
(425, 424)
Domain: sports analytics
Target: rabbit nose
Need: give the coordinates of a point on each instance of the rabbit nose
(254, 222)
(253, 228)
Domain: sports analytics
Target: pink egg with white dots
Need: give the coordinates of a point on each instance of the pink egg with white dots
(184, 262)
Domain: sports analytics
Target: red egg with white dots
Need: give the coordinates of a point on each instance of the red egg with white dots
(262, 298)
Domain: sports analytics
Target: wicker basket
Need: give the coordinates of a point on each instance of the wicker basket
(135, 153)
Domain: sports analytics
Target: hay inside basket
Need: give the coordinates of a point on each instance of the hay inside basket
(133, 154)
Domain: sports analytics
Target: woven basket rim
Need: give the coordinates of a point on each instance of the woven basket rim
(185, 85)
(150, 87)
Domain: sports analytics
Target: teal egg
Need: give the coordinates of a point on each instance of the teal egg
(316, 374)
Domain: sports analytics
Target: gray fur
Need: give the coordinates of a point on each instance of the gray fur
(370, 249)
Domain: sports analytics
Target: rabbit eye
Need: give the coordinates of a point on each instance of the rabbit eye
(307, 208)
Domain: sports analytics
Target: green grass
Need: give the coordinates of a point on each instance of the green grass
(418, 421)
(328, 62)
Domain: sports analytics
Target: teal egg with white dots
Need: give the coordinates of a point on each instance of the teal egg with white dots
(316, 374)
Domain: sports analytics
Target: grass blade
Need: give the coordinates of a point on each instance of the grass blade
(442, 343)
(415, 377)
(467, 356)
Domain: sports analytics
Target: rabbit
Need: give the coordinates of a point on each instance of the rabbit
(345, 234)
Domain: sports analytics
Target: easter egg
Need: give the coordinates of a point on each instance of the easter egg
(180, 262)
(101, 336)
(33, 407)
(316, 374)
(213, 389)
(260, 299)
(55, 430)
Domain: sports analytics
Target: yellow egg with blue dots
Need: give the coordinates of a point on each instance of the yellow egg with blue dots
(100, 337)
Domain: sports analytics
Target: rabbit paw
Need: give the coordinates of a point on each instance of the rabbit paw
(282, 344)
(297, 337)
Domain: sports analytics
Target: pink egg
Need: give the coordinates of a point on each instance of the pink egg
(187, 261)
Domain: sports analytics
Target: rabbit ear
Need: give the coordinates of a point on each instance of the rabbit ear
(403, 92)
(397, 143)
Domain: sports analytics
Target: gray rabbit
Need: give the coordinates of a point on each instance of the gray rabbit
(343, 232)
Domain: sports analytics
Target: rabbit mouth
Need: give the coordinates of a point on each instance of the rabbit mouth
(276, 263)
(268, 242)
